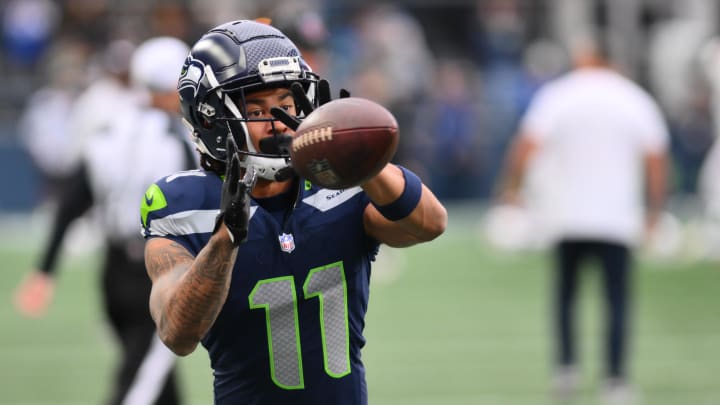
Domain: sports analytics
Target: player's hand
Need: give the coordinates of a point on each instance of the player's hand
(303, 105)
(34, 294)
(235, 200)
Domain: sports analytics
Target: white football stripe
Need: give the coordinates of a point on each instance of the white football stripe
(196, 173)
(187, 222)
(326, 199)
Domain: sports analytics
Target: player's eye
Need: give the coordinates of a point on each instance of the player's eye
(290, 108)
(255, 113)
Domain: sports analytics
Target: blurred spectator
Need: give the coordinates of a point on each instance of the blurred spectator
(708, 184)
(110, 80)
(396, 71)
(27, 31)
(173, 18)
(220, 10)
(302, 22)
(138, 141)
(709, 192)
(683, 94)
(43, 126)
(447, 131)
(544, 60)
(507, 88)
(382, 55)
(603, 142)
(89, 21)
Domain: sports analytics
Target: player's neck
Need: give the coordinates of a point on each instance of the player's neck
(266, 188)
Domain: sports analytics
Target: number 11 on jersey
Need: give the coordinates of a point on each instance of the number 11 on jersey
(278, 298)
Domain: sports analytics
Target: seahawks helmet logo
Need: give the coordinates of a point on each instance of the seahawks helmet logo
(192, 73)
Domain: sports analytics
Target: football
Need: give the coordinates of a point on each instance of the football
(344, 142)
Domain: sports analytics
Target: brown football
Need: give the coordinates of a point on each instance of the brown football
(344, 142)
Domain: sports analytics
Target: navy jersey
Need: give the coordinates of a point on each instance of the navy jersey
(290, 331)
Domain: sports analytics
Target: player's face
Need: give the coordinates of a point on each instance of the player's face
(258, 107)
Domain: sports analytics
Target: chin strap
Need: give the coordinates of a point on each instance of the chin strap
(266, 167)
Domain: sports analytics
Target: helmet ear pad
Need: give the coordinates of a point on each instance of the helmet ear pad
(212, 127)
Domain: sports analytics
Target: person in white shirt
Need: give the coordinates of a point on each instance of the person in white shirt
(137, 143)
(597, 143)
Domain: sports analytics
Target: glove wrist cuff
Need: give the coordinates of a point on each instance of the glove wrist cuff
(232, 237)
(218, 223)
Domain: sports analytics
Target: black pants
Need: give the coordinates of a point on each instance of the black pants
(615, 261)
(126, 291)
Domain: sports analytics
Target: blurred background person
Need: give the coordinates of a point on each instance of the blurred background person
(603, 142)
(109, 73)
(44, 123)
(87, 114)
(139, 140)
(27, 32)
(446, 128)
(682, 90)
(397, 76)
(708, 184)
(709, 191)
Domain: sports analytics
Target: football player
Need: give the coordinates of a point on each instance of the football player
(268, 271)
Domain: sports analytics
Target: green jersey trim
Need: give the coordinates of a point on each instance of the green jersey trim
(153, 200)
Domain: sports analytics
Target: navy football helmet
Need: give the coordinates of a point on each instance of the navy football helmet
(227, 62)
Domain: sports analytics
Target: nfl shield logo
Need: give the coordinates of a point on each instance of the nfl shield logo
(287, 242)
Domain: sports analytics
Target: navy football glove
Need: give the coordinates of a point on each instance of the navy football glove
(303, 105)
(235, 199)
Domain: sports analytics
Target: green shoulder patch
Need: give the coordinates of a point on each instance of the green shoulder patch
(154, 200)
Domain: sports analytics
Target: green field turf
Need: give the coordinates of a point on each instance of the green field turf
(450, 322)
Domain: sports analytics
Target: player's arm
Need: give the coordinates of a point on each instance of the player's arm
(404, 211)
(656, 174)
(188, 292)
(521, 152)
(405, 215)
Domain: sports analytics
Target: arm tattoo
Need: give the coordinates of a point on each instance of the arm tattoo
(166, 259)
(193, 289)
